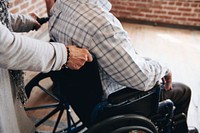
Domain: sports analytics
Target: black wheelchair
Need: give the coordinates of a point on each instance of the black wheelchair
(125, 111)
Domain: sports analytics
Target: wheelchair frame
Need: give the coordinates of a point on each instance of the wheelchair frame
(158, 123)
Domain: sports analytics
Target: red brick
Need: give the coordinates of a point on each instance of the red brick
(33, 1)
(186, 4)
(169, 8)
(194, 5)
(174, 13)
(24, 5)
(151, 16)
(159, 12)
(185, 9)
(197, 10)
(14, 10)
(189, 14)
(31, 8)
(171, 3)
(194, 19)
(16, 2)
(179, 18)
(165, 17)
(178, 3)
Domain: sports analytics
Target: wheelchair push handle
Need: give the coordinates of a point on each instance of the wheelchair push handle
(42, 20)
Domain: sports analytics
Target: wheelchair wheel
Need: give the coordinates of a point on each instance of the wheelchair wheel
(129, 123)
(46, 107)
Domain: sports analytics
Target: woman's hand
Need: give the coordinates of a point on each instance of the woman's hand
(36, 24)
(78, 57)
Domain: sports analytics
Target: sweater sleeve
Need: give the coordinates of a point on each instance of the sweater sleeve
(23, 53)
(21, 23)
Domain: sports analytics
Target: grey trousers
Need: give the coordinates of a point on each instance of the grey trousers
(180, 95)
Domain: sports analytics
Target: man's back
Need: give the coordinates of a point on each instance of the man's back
(88, 23)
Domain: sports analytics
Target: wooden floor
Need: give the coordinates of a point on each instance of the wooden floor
(178, 48)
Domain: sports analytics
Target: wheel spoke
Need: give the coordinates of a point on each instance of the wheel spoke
(50, 94)
(46, 121)
(58, 120)
(41, 107)
(47, 116)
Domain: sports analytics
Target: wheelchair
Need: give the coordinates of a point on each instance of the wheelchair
(124, 111)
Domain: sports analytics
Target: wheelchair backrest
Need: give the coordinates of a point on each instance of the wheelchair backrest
(81, 88)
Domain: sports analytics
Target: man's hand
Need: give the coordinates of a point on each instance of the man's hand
(167, 81)
(78, 57)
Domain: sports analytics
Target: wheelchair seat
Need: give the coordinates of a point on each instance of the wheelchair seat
(128, 101)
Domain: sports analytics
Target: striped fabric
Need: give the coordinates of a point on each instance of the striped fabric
(89, 24)
(16, 75)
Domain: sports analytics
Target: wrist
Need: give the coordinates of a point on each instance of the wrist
(68, 56)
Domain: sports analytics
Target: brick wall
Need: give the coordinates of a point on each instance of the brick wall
(175, 12)
(28, 6)
(178, 12)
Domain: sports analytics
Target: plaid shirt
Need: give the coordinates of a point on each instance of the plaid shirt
(89, 24)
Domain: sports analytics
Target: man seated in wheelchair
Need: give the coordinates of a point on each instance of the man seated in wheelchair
(89, 24)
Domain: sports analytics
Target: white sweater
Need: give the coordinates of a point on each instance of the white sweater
(20, 52)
